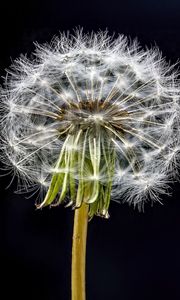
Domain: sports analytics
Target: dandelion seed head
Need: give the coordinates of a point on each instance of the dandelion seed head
(92, 118)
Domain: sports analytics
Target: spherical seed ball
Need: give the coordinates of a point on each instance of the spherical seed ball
(91, 118)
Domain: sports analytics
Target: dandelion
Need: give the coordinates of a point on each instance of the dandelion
(90, 119)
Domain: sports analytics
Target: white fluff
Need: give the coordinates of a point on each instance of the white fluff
(93, 67)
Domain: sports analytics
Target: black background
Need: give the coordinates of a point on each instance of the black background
(130, 256)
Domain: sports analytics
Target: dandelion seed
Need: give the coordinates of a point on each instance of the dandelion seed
(92, 119)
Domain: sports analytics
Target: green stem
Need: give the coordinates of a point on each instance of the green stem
(79, 253)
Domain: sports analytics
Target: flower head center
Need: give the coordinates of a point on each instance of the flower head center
(97, 118)
(93, 113)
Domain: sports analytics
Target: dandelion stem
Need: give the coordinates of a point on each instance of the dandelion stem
(79, 253)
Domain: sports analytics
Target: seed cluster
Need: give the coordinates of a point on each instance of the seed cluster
(91, 119)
